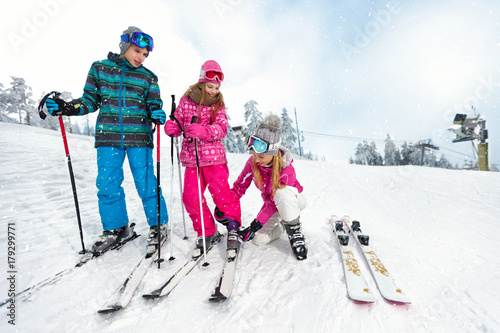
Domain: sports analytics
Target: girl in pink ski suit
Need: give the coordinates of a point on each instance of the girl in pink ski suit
(270, 169)
(204, 101)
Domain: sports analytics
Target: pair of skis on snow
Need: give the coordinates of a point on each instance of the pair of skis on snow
(85, 258)
(357, 287)
(123, 295)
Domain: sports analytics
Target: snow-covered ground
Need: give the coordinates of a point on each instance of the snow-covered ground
(437, 232)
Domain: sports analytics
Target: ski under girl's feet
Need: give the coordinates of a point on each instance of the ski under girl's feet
(297, 240)
(110, 238)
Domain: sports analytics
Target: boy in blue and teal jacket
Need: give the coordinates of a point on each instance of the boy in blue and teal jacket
(127, 96)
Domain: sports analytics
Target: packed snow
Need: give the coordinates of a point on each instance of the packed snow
(435, 230)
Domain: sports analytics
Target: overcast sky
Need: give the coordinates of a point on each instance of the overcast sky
(353, 70)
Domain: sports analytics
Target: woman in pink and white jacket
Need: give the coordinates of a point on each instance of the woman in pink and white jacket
(270, 168)
(204, 101)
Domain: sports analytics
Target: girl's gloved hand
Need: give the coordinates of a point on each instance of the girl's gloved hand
(172, 129)
(197, 131)
(249, 232)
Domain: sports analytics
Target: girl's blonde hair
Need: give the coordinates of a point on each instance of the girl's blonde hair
(214, 108)
(278, 163)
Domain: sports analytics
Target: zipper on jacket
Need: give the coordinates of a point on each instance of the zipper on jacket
(121, 105)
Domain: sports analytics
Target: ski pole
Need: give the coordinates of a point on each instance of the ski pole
(193, 120)
(180, 185)
(172, 178)
(55, 96)
(158, 189)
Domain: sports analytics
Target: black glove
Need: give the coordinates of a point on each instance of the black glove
(56, 106)
(249, 232)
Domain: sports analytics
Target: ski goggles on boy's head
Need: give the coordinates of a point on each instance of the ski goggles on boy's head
(212, 75)
(261, 146)
(139, 39)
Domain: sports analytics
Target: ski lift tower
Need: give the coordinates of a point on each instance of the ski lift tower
(422, 145)
(472, 128)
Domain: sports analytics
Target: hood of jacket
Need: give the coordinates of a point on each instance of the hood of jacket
(115, 57)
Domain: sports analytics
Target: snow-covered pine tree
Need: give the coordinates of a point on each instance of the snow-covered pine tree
(231, 141)
(366, 154)
(3, 106)
(253, 116)
(375, 157)
(391, 153)
(430, 158)
(406, 153)
(444, 163)
(360, 154)
(288, 136)
(18, 100)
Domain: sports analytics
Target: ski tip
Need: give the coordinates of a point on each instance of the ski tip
(110, 309)
(150, 296)
(397, 299)
(217, 298)
(365, 297)
(363, 301)
(398, 302)
(154, 294)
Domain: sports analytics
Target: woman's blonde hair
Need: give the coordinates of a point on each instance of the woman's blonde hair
(215, 107)
(278, 163)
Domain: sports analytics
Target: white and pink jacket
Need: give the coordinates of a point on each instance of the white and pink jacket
(246, 177)
(210, 152)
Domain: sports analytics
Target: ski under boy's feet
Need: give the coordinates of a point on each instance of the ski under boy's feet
(110, 238)
(297, 240)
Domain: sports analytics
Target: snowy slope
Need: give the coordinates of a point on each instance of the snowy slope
(435, 230)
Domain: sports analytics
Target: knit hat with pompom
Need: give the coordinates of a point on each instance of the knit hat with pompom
(270, 130)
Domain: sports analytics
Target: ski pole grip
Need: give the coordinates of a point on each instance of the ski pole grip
(54, 95)
(193, 120)
(172, 110)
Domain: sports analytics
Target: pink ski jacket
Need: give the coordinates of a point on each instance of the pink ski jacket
(211, 151)
(287, 177)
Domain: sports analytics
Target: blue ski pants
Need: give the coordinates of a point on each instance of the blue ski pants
(112, 206)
